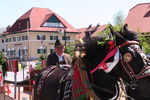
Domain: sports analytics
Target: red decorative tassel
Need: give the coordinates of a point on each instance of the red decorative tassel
(15, 65)
(111, 45)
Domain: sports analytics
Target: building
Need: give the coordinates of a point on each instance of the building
(138, 18)
(34, 33)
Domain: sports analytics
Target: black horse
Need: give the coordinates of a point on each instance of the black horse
(132, 66)
(106, 63)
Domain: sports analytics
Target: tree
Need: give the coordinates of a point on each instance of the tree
(2, 63)
(119, 22)
(119, 18)
(70, 50)
(145, 42)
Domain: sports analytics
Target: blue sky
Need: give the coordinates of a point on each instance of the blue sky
(79, 13)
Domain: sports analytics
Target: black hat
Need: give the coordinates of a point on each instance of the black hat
(58, 43)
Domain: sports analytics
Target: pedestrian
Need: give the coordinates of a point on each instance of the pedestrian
(59, 57)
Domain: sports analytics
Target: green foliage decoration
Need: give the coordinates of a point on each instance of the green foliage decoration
(2, 63)
(104, 41)
(42, 57)
(38, 67)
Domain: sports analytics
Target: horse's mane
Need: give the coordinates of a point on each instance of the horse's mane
(93, 40)
(93, 48)
(128, 34)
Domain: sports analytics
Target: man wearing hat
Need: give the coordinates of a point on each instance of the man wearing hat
(59, 57)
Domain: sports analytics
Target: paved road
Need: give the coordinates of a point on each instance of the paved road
(2, 97)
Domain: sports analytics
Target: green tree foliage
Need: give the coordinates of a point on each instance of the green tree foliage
(2, 63)
(106, 31)
(2, 58)
(145, 42)
(70, 50)
(119, 18)
(119, 22)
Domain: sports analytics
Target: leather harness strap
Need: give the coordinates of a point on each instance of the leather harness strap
(127, 43)
(129, 69)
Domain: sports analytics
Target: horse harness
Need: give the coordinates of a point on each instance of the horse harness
(128, 69)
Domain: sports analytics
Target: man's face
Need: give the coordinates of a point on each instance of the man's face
(59, 50)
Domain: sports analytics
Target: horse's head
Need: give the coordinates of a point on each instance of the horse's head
(121, 56)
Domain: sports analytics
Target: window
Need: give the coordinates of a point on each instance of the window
(3, 50)
(66, 38)
(53, 37)
(24, 52)
(51, 50)
(53, 21)
(24, 37)
(18, 38)
(41, 51)
(40, 37)
(8, 39)
(8, 52)
(12, 52)
(53, 24)
(14, 39)
(3, 41)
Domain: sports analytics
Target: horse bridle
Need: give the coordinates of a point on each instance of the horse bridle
(126, 66)
(128, 69)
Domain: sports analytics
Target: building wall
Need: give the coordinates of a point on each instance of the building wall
(32, 44)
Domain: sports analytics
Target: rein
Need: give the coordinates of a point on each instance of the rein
(128, 69)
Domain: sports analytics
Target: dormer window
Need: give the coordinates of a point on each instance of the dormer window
(50, 24)
(53, 21)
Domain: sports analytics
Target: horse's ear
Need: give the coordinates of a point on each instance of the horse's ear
(89, 26)
(125, 28)
(117, 37)
(111, 29)
(112, 32)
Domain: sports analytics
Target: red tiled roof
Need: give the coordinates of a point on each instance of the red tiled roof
(36, 17)
(82, 30)
(138, 18)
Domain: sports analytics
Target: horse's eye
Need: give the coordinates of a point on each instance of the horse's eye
(127, 57)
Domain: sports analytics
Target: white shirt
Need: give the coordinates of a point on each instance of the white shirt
(61, 58)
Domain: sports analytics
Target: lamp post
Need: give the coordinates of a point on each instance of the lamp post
(60, 30)
(65, 37)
